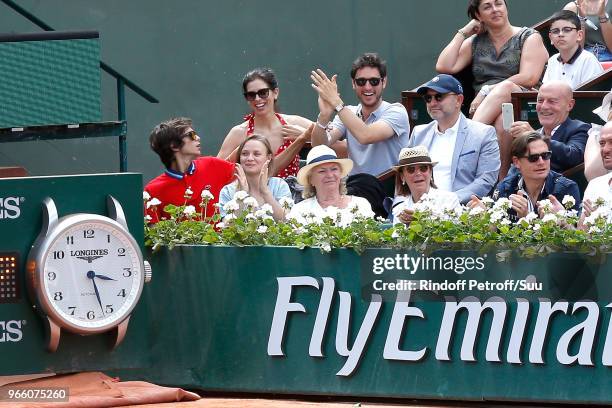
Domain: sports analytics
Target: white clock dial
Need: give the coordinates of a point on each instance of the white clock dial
(92, 275)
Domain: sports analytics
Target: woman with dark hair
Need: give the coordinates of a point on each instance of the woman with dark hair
(414, 181)
(504, 59)
(286, 133)
(254, 159)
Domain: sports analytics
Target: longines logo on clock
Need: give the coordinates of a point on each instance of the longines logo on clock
(89, 255)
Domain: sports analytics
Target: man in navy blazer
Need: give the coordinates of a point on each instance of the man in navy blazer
(467, 152)
(568, 137)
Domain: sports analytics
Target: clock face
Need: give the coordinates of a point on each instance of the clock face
(91, 274)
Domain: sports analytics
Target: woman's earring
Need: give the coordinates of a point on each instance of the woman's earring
(403, 182)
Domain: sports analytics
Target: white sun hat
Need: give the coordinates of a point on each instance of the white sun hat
(319, 155)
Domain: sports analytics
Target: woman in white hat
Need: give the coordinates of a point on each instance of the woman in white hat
(414, 180)
(323, 178)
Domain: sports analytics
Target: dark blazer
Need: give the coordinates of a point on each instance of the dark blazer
(567, 145)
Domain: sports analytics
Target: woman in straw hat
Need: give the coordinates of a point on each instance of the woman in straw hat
(414, 180)
(323, 178)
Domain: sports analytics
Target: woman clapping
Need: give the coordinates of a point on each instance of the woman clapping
(255, 159)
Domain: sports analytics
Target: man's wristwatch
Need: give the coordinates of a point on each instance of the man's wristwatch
(604, 19)
(339, 107)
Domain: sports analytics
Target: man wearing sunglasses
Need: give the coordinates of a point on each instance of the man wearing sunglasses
(572, 64)
(534, 181)
(187, 174)
(467, 152)
(567, 136)
(375, 130)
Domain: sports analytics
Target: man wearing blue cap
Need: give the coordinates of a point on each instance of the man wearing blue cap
(467, 152)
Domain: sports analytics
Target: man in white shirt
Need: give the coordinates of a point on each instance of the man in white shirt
(572, 64)
(467, 152)
(600, 188)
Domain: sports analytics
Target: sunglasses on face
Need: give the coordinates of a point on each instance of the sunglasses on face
(262, 93)
(438, 97)
(423, 168)
(193, 135)
(372, 81)
(564, 30)
(533, 158)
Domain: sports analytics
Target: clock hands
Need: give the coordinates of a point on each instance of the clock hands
(104, 277)
(92, 275)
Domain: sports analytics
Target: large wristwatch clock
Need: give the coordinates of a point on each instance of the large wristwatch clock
(85, 273)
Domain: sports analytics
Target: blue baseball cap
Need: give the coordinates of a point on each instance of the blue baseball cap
(442, 83)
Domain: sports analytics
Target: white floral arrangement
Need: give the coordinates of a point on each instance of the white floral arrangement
(247, 223)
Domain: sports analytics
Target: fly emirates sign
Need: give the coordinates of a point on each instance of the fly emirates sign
(509, 325)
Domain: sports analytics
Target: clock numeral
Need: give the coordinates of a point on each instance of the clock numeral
(127, 272)
(109, 309)
(58, 254)
(70, 240)
(58, 296)
(72, 310)
(91, 315)
(120, 251)
(108, 238)
(121, 293)
(51, 276)
(88, 233)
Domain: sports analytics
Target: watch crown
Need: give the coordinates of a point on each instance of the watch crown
(148, 272)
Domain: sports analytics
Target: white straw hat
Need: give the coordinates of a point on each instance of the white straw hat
(319, 155)
(409, 156)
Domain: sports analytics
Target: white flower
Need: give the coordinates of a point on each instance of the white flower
(497, 215)
(505, 221)
(476, 211)
(229, 217)
(221, 225)
(207, 195)
(146, 196)
(549, 217)
(266, 208)
(537, 227)
(250, 202)
(395, 234)
(571, 213)
(147, 218)
(286, 202)
(231, 206)
(546, 205)
(325, 246)
(502, 204)
(250, 217)
(459, 211)
(568, 201)
(262, 229)
(189, 210)
(531, 216)
(488, 201)
(594, 229)
(153, 202)
(299, 230)
(188, 193)
(240, 195)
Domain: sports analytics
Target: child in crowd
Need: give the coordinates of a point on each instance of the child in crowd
(572, 64)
